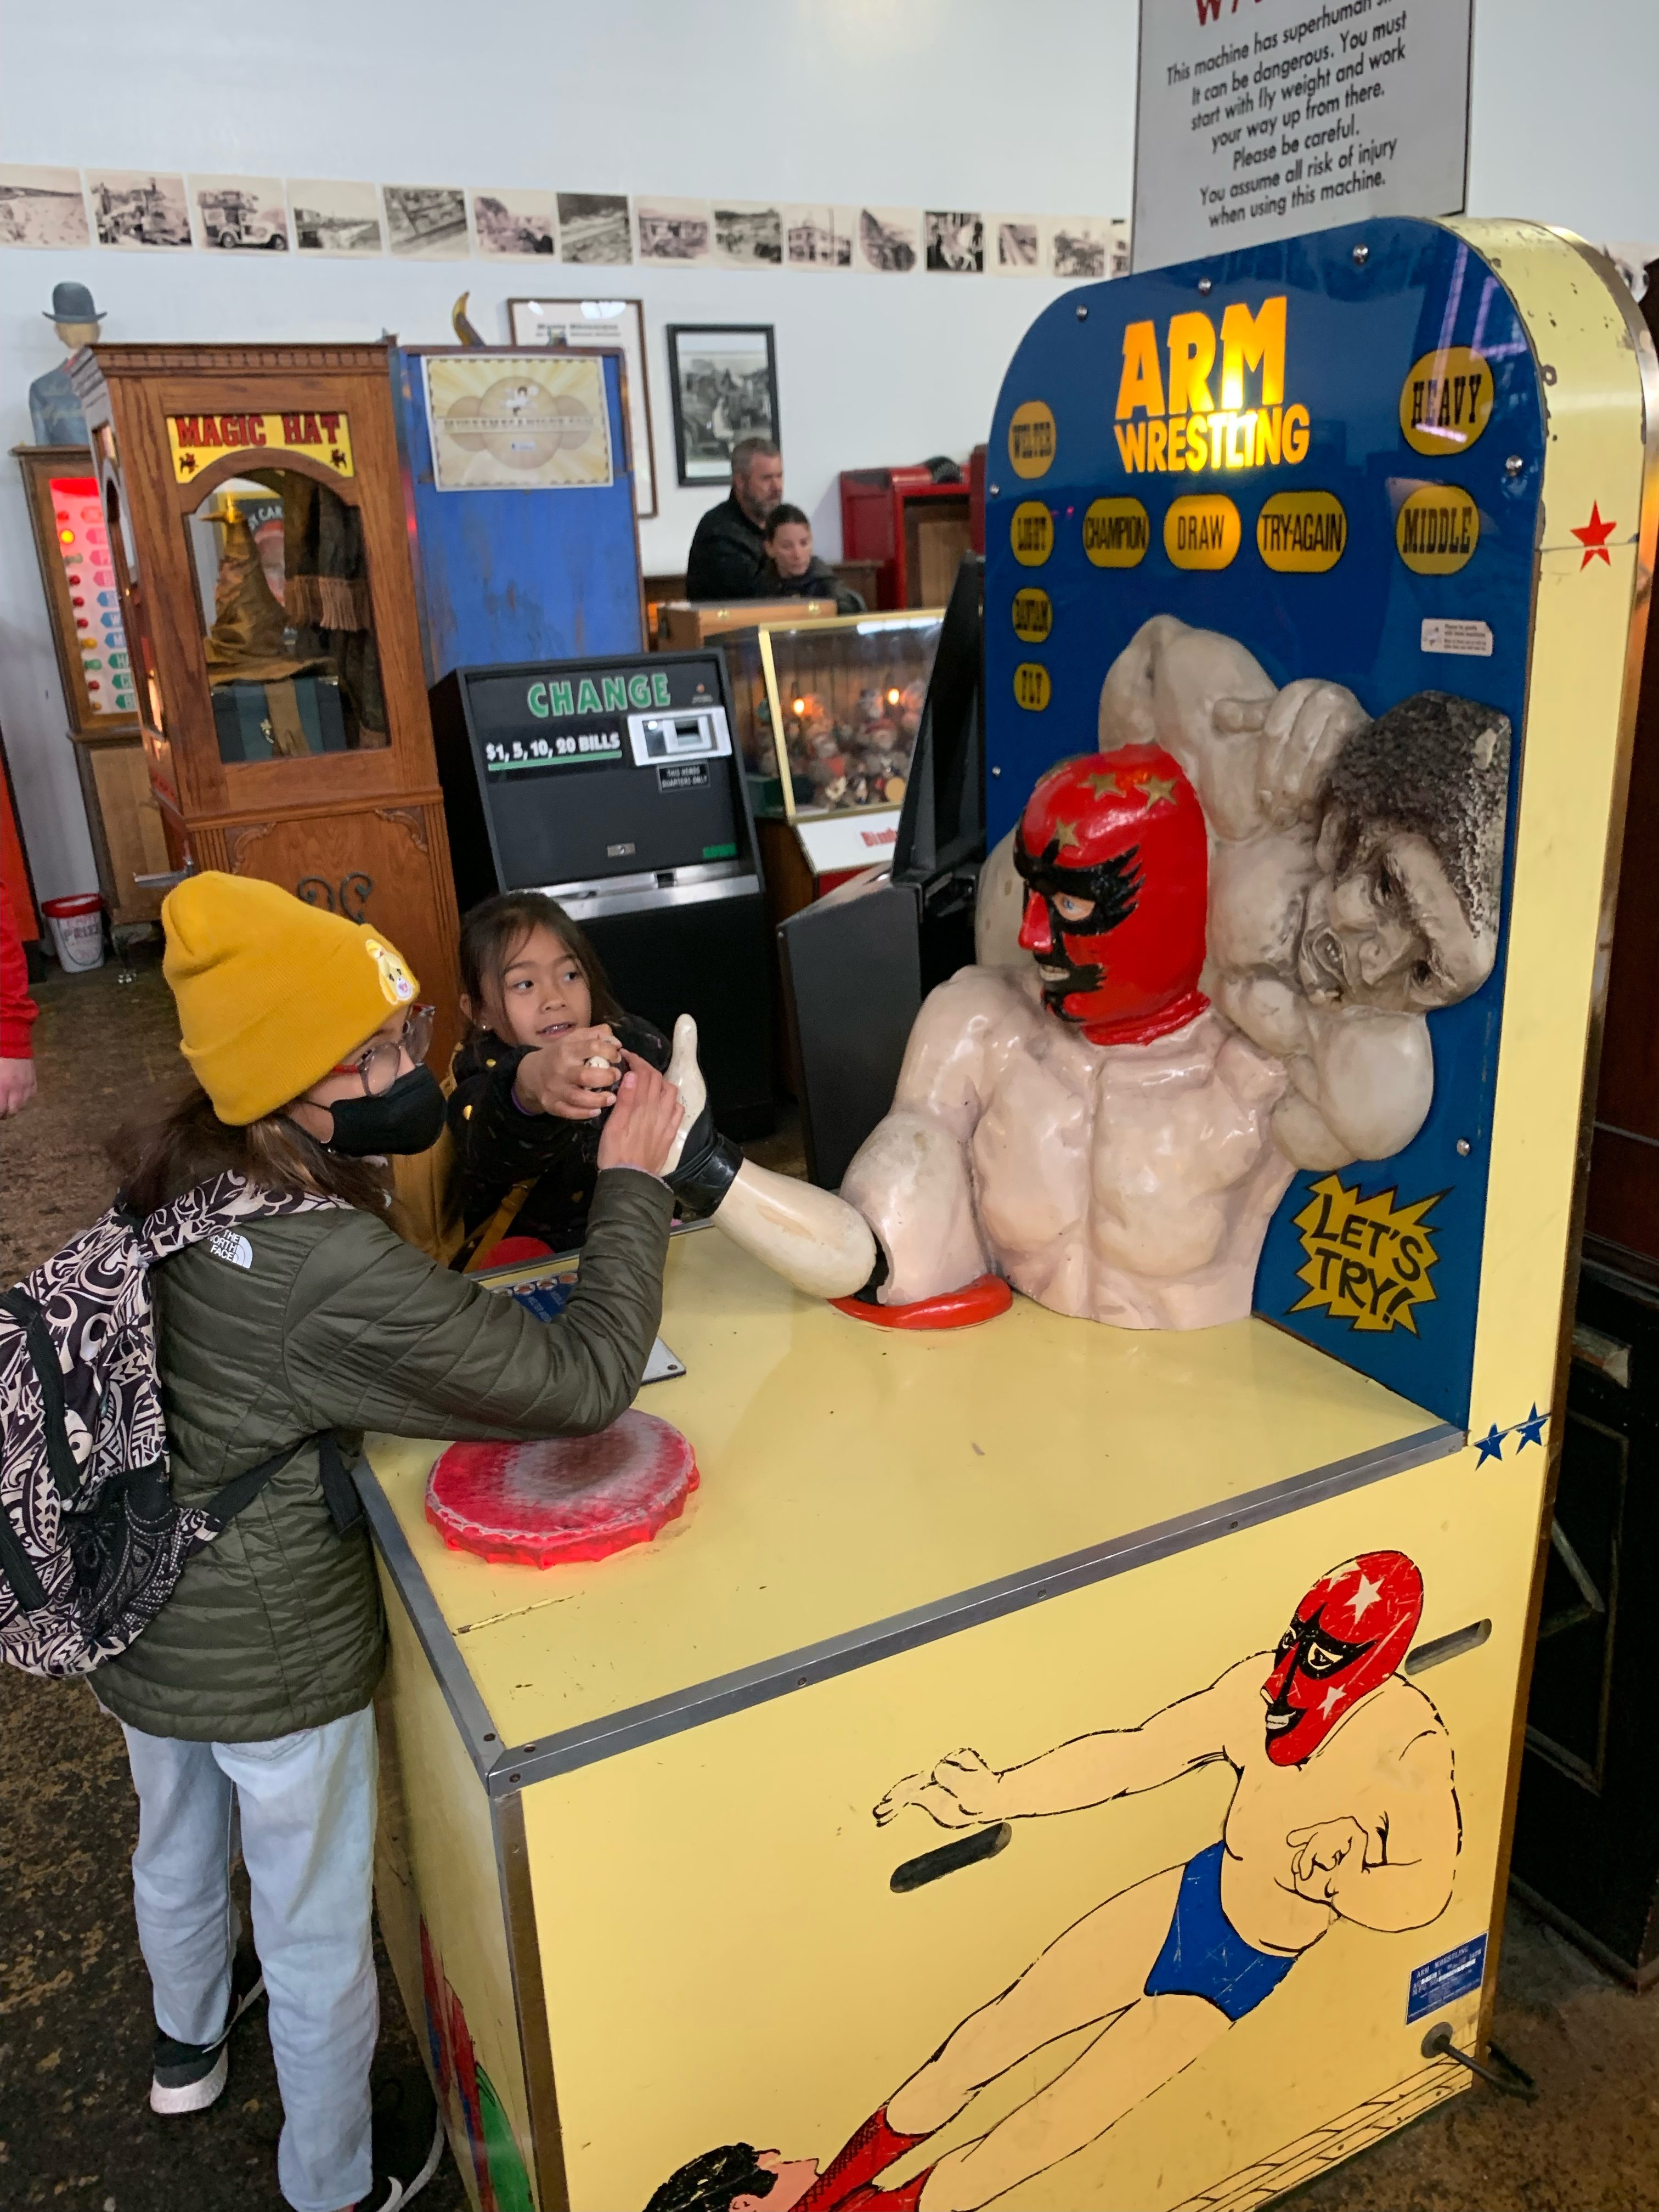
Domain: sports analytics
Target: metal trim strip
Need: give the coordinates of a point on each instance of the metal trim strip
(530, 2000)
(594, 906)
(842, 1654)
(466, 1708)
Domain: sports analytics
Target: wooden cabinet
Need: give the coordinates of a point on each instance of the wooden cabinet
(912, 530)
(124, 818)
(254, 510)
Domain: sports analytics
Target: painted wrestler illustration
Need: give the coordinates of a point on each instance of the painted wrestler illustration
(1345, 1808)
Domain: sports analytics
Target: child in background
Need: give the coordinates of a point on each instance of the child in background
(794, 570)
(548, 1045)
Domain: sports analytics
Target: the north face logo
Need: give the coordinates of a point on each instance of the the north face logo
(230, 1246)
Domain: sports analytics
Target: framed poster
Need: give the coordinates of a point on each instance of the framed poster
(620, 323)
(725, 381)
(516, 421)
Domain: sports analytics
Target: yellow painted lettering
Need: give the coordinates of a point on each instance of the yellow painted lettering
(1192, 356)
(1140, 384)
(1296, 432)
(1131, 442)
(1157, 434)
(1256, 341)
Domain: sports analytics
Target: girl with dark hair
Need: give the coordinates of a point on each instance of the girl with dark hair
(250, 1689)
(533, 1080)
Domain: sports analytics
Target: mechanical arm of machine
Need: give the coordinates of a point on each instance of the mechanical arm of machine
(809, 1236)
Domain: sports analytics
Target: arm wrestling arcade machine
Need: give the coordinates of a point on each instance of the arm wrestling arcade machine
(1308, 670)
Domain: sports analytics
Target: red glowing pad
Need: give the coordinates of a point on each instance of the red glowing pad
(982, 1299)
(562, 1498)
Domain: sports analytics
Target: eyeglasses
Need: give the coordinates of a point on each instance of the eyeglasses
(378, 1067)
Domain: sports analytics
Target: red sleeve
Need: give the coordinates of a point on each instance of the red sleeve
(17, 1009)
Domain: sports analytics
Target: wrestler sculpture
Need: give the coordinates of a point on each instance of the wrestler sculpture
(1356, 869)
(1344, 1808)
(1232, 921)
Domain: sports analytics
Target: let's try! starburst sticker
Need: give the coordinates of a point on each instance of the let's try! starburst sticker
(1368, 1262)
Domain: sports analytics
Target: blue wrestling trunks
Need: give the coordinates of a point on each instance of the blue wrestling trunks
(1204, 1955)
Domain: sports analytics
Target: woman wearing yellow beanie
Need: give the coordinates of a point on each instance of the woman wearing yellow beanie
(254, 1683)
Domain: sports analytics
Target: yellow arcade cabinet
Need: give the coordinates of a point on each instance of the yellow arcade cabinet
(707, 1866)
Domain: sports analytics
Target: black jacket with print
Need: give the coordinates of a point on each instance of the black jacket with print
(497, 1144)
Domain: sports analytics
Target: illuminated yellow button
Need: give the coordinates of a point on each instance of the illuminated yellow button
(1436, 529)
(1031, 438)
(1031, 685)
(1116, 533)
(1034, 615)
(1203, 531)
(1303, 532)
(1445, 402)
(1032, 533)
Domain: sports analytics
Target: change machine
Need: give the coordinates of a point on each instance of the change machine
(1055, 1763)
(614, 786)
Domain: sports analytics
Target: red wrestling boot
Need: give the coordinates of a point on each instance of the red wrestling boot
(907, 2197)
(869, 2152)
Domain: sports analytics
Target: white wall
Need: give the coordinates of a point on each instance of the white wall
(973, 103)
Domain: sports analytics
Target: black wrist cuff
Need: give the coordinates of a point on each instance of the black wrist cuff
(709, 1164)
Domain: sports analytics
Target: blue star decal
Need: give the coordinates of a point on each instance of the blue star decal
(1490, 1446)
(1531, 1430)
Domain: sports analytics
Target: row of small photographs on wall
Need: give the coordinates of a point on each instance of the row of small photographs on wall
(144, 210)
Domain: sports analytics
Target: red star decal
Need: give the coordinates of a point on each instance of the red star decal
(1594, 537)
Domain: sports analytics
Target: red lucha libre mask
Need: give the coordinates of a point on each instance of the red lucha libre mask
(1348, 1634)
(1113, 853)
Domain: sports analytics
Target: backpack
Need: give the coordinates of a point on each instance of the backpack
(92, 1541)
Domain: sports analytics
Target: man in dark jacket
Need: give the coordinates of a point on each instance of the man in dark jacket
(727, 559)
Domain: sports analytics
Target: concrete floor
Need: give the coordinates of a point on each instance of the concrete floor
(74, 2130)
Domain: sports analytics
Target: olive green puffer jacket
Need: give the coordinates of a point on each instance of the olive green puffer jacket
(337, 1323)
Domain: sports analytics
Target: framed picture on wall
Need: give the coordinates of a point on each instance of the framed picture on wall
(581, 324)
(725, 381)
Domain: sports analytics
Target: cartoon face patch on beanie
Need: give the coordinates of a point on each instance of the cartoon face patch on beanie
(396, 982)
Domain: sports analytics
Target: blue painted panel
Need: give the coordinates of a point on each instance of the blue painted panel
(517, 575)
(1354, 330)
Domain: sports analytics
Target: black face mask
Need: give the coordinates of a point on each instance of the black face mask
(408, 1118)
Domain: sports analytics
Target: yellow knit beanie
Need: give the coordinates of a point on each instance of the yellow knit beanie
(271, 993)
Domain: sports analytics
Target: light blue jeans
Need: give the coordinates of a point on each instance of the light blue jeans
(307, 1804)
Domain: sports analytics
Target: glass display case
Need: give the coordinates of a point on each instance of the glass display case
(827, 711)
(826, 716)
(287, 630)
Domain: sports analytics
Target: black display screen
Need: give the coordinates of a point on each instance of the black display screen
(567, 801)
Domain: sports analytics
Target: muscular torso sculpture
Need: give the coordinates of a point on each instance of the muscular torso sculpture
(1205, 960)
(1127, 1183)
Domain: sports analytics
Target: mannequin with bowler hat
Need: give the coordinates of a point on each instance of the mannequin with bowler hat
(54, 408)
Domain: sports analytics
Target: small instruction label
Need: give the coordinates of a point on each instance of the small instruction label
(683, 776)
(1453, 1974)
(1443, 634)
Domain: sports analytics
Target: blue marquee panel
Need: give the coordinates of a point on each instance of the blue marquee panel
(505, 576)
(1362, 305)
